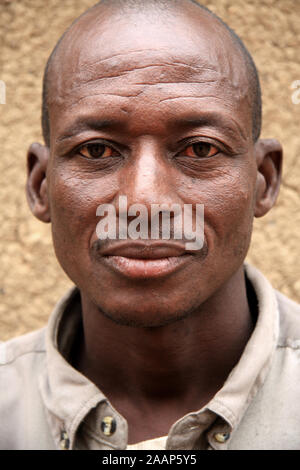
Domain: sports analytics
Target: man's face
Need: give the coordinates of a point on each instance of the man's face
(156, 111)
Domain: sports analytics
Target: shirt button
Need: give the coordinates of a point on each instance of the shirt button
(64, 441)
(221, 437)
(108, 425)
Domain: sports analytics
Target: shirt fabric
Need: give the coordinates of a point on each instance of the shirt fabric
(46, 404)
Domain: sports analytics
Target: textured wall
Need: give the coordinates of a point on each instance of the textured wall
(31, 280)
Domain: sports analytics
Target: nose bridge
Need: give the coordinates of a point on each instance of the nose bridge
(148, 180)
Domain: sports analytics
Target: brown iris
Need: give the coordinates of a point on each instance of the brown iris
(96, 150)
(201, 150)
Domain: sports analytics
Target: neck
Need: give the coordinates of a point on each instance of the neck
(188, 360)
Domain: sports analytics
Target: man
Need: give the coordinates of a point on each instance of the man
(158, 346)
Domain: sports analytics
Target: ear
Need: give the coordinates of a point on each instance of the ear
(268, 153)
(36, 187)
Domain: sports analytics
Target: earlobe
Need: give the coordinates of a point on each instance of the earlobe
(268, 153)
(36, 187)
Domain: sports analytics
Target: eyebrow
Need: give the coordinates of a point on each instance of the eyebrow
(212, 119)
(87, 124)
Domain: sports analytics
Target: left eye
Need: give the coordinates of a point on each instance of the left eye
(97, 150)
(200, 150)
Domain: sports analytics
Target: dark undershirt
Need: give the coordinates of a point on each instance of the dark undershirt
(252, 300)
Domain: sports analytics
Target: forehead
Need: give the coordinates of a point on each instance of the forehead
(109, 60)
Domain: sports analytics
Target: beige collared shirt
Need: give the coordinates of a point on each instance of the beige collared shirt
(46, 404)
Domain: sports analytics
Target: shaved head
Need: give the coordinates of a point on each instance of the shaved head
(115, 8)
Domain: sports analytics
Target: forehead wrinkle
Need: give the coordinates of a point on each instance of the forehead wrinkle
(128, 71)
(145, 85)
(86, 72)
(82, 92)
(145, 51)
(154, 74)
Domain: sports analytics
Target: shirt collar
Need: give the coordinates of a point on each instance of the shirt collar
(69, 396)
(247, 377)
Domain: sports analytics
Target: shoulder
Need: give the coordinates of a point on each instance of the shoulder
(272, 419)
(278, 399)
(278, 305)
(22, 360)
(23, 348)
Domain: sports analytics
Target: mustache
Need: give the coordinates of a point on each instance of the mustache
(101, 247)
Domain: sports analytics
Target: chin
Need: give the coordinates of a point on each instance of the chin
(150, 318)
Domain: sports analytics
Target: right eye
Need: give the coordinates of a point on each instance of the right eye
(97, 150)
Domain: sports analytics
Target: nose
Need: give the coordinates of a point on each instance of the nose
(148, 184)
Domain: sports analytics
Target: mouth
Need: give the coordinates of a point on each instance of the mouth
(145, 268)
(145, 261)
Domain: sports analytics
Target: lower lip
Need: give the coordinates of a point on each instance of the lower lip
(146, 268)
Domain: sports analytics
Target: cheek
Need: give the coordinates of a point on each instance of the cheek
(74, 201)
(228, 197)
(230, 205)
(231, 216)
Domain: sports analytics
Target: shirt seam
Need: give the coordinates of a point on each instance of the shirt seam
(223, 410)
(10, 361)
(288, 346)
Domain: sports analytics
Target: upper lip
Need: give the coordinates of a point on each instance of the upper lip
(136, 250)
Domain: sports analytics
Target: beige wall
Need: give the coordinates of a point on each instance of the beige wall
(31, 280)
